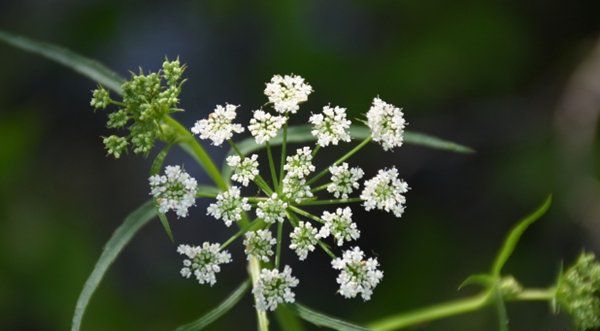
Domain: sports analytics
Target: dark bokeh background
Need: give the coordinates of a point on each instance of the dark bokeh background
(517, 80)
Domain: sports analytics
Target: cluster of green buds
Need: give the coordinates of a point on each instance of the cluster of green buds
(147, 99)
(578, 292)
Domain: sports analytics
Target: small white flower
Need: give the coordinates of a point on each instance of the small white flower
(331, 126)
(287, 92)
(344, 180)
(274, 287)
(271, 210)
(385, 191)
(387, 124)
(244, 169)
(264, 126)
(303, 239)
(259, 244)
(175, 190)
(295, 189)
(340, 225)
(203, 261)
(357, 276)
(229, 206)
(218, 127)
(300, 164)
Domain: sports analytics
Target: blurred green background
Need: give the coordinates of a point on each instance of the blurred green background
(519, 81)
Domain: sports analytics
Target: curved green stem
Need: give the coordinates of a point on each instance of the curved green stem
(455, 307)
(306, 214)
(340, 160)
(188, 142)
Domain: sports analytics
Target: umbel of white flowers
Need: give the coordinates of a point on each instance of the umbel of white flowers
(293, 187)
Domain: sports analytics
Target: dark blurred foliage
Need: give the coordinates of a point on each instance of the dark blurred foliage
(489, 74)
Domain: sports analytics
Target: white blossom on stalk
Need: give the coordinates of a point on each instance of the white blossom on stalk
(259, 244)
(271, 210)
(357, 275)
(287, 92)
(175, 190)
(387, 123)
(303, 239)
(244, 169)
(344, 180)
(229, 206)
(203, 261)
(218, 127)
(339, 225)
(295, 189)
(264, 126)
(385, 191)
(274, 287)
(300, 164)
(331, 126)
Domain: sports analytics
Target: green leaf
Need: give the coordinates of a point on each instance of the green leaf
(301, 134)
(85, 66)
(515, 234)
(218, 311)
(320, 319)
(165, 223)
(287, 320)
(484, 280)
(113, 247)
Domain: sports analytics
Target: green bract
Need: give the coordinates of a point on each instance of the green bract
(147, 99)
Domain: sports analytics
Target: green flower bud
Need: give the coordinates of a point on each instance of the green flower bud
(172, 71)
(578, 292)
(100, 98)
(117, 119)
(115, 145)
(509, 287)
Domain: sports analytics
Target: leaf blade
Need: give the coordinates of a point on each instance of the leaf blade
(122, 235)
(320, 319)
(83, 65)
(218, 311)
(515, 234)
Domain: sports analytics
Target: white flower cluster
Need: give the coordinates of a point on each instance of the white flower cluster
(340, 225)
(303, 239)
(331, 126)
(300, 164)
(287, 92)
(259, 244)
(357, 275)
(387, 123)
(264, 126)
(344, 180)
(203, 261)
(274, 287)
(244, 169)
(295, 189)
(271, 210)
(385, 191)
(218, 127)
(175, 190)
(229, 206)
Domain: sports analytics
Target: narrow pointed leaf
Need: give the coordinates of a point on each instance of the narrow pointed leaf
(287, 320)
(320, 319)
(85, 66)
(159, 160)
(122, 235)
(484, 280)
(515, 234)
(218, 311)
(166, 226)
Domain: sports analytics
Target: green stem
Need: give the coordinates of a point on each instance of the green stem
(254, 224)
(455, 307)
(283, 152)
(279, 239)
(316, 150)
(329, 202)
(306, 214)
(188, 142)
(341, 159)
(272, 166)
(320, 188)
(254, 270)
(205, 195)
